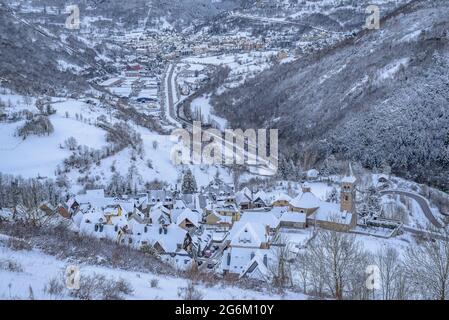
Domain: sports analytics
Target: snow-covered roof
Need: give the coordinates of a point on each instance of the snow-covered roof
(331, 212)
(257, 267)
(158, 212)
(244, 195)
(241, 198)
(127, 206)
(202, 240)
(155, 196)
(306, 200)
(295, 217)
(193, 216)
(179, 204)
(218, 236)
(277, 211)
(222, 219)
(90, 219)
(119, 221)
(248, 234)
(312, 173)
(349, 179)
(282, 197)
(228, 207)
(110, 82)
(77, 218)
(70, 202)
(96, 198)
(148, 93)
(236, 259)
(168, 241)
(265, 218)
(261, 195)
(94, 216)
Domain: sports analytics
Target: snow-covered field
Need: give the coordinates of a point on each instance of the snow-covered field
(242, 65)
(39, 156)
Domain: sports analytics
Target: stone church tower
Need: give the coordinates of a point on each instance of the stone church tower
(348, 192)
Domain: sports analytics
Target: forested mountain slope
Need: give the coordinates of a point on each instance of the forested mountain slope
(380, 98)
(34, 60)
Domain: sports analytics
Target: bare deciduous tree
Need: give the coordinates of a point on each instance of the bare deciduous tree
(387, 259)
(427, 265)
(280, 267)
(334, 259)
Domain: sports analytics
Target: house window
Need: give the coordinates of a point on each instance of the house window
(346, 198)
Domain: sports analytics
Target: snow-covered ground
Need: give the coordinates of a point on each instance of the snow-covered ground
(39, 156)
(202, 104)
(242, 65)
(39, 269)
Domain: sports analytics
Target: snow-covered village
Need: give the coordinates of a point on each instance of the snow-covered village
(346, 198)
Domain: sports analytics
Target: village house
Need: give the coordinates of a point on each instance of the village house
(222, 209)
(281, 200)
(293, 220)
(243, 199)
(258, 267)
(268, 219)
(189, 220)
(160, 214)
(221, 222)
(161, 196)
(246, 240)
(260, 200)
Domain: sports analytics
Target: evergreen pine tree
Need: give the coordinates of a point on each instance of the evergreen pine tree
(188, 183)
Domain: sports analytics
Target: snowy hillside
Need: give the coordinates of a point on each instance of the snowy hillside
(224, 150)
(379, 98)
(24, 273)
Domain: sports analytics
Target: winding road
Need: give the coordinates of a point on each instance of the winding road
(422, 202)
(280, 21)
(263, 167)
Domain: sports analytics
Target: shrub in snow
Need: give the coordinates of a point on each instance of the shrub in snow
(10, 265)
(98, 286)
(147, 249)
(190, 292)
(71, 143)
(154, 283)
(55, 287)
(37, 126)
(18, 244)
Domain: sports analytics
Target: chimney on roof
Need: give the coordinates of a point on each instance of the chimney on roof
(265, 260)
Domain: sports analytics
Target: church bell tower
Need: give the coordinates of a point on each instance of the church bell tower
(348, 192)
